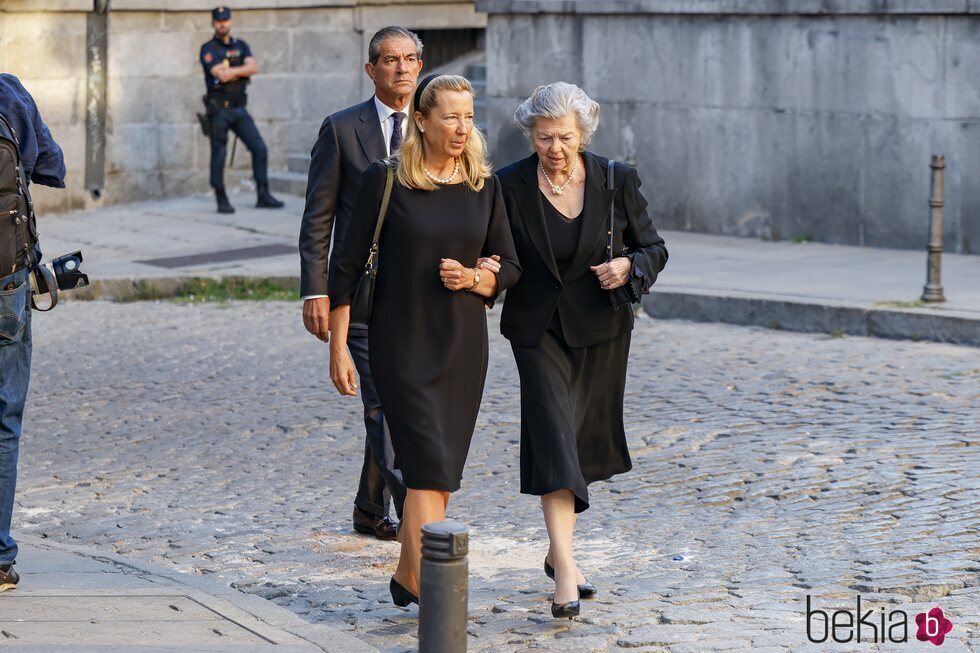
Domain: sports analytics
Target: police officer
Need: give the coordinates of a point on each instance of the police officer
(228, 65)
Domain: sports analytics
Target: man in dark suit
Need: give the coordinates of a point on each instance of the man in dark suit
(349, 141)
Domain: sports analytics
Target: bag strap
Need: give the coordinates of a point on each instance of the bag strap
(23, 187)
(22, 180)
(389, 182)
(611, 185)
(9, 128)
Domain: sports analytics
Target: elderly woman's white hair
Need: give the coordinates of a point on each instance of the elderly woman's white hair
(559, 100)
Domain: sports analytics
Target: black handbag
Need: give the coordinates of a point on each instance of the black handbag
(18, 227)
(628, 293)
(362, 304)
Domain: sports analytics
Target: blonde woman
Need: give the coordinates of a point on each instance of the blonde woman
(428, 329)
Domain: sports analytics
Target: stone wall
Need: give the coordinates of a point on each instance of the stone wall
(778, 119)
(310, 56)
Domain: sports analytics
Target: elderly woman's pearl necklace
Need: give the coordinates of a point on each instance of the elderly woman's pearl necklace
(439, 180)
(558, 190)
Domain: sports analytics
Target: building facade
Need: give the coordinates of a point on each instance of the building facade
(310, 53)
(779, 119)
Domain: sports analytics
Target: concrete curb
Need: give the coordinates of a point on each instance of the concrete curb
(828, 316)
(745, 309)
(250, 607)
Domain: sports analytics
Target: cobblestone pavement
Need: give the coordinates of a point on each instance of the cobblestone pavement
(774, 465)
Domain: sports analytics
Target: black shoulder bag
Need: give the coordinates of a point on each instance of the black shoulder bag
(18, 228)
(363, 303)
(625, 294)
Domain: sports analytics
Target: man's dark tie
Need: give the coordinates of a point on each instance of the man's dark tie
(396, 133)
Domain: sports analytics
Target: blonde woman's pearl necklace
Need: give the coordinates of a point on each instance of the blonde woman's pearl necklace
(558, 190)
(439, 180)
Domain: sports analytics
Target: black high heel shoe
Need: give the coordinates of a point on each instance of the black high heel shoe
(399, 595)
(585, 590)
(562, 610)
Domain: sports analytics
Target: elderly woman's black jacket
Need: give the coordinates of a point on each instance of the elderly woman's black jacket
(586, 313)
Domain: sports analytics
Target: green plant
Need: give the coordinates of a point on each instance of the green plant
(901, 304)
(144, 291)
(204, 289)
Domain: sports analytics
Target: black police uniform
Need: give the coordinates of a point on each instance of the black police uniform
(226, 103)
(226, 106)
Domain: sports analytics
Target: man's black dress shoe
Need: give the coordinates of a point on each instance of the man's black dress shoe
(399, 595)
(586, 590)
(382, 528)
(562, 610)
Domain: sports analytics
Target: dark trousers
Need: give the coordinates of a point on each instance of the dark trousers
(237, 120)
(381, 484)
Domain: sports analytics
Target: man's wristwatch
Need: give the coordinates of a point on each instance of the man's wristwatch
(476, 280)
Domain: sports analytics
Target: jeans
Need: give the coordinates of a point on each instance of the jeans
(237, 120)
(15, 375)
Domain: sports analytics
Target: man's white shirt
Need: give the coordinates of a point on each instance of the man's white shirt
(385, 114)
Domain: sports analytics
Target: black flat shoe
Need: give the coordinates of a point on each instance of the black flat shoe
(585, 590)
(563, 610)
(402, 597)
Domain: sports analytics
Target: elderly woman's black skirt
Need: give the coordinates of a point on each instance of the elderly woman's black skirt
(572, 415)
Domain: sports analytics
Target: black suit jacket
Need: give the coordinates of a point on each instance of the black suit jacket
(586, 313)
(349, 141)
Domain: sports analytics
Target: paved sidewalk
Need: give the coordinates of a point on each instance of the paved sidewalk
(75, 599)
(816, 287)
(799, 287)
(768, 466)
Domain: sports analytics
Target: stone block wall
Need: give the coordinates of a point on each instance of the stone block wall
(310, 55)
(775, 119)
(46, 50)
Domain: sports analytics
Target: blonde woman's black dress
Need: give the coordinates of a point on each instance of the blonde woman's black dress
(428, 344)
(570, 344)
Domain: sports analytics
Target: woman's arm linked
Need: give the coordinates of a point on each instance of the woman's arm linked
(457, 277)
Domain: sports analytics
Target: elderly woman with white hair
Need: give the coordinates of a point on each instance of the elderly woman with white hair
(587, 249)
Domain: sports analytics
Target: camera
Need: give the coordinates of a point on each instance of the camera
(62, 273)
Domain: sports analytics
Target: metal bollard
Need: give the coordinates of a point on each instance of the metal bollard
(444, 588)
(933, 291)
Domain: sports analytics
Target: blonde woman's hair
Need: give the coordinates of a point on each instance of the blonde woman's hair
(473, 164)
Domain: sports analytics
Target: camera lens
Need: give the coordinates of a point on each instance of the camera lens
(67, 272)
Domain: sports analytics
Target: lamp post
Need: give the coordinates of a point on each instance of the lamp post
(933, 291)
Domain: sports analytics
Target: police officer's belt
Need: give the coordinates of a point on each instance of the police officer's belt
(224, 102)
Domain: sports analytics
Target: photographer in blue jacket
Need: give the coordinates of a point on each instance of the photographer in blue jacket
(28, 153)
